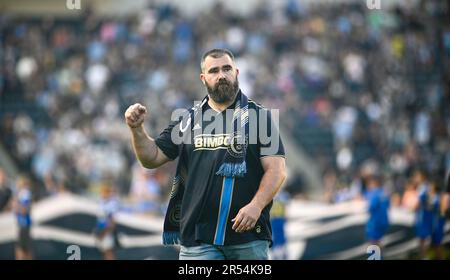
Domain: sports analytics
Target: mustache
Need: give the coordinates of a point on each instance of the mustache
(223, 82)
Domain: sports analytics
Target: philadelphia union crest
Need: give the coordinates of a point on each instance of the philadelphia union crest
(237, 146)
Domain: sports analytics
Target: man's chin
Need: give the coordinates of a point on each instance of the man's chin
(227, 97)
(219, 100)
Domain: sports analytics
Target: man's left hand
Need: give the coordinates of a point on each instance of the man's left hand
(246, 218)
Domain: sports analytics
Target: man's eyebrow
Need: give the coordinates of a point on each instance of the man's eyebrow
(213, 69)
(226, 66)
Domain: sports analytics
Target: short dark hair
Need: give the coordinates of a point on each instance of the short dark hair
(216, 53)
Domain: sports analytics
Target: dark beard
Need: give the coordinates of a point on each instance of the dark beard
(224, 91)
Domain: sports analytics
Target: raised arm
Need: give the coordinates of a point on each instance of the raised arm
(148, 154)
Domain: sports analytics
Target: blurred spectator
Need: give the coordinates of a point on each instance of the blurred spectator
(5, 191)
(438, 225)
(22, 210)
(409, 199)
(424, 211)
(446, 194)
(378, 206)
(278, 221)
(105, 228)
(330, 182)
(430, 220)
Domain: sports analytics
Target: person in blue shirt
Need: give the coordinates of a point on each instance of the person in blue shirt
(424, 211)
(445, 196)
(278, 221)
(438, 221)
(378, 207)
(22, 209)
(105, 228)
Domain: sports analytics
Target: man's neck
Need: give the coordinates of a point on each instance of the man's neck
(220, 107)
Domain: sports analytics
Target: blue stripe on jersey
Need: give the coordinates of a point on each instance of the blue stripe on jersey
(224, 210)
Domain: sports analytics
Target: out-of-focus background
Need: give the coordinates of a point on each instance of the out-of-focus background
(358, 88)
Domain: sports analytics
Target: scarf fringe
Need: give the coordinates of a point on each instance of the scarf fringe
(232, 169)
(171, 238)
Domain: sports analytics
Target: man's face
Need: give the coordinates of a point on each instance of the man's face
(220, 78)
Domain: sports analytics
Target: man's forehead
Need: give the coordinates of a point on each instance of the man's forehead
(211, 62)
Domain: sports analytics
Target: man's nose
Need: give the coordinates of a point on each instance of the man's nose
(221, 75)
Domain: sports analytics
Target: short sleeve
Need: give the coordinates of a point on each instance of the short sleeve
(165, 143)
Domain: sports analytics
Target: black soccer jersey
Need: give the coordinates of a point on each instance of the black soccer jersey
(204, 199)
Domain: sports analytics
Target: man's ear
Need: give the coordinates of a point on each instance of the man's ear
(202, 78)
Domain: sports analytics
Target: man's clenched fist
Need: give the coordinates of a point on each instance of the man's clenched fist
(134, 115)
